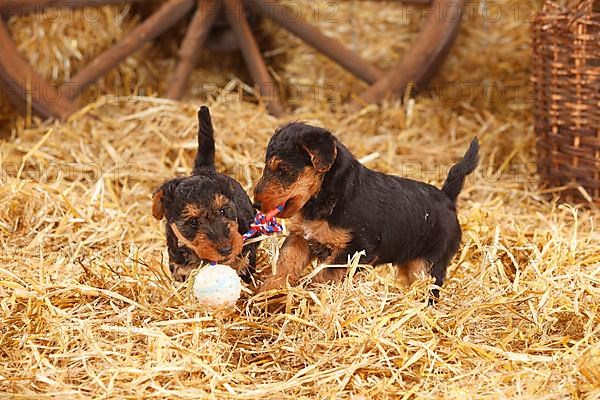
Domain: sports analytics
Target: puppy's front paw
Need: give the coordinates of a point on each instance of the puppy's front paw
(271, 283)
(243, 268)
(181, 272)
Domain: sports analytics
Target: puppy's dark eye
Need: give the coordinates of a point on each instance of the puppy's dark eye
(283, 169)
(194, 222)
(222, 211)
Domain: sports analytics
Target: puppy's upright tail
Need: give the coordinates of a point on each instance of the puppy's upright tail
(205, 157)
(458, 172)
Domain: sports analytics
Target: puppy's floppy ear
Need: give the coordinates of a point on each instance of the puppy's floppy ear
(320, 146)
(158, 210)
(166, 190)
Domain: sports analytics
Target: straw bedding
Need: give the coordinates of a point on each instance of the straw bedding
(88, 311)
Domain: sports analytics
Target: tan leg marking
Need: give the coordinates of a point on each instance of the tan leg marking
(294, 257)
(333, 237)
(322, 232)
(412, 270)
(335, 274)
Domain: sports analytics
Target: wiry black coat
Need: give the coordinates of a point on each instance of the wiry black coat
(393, 219)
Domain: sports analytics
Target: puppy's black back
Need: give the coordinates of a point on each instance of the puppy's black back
(406, 218)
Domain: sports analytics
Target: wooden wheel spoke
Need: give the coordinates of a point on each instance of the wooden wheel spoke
(204, 18)
(25, 87)
(236, 16)
(166, 16)
(22, 7)
(424, 57)
(332, 48)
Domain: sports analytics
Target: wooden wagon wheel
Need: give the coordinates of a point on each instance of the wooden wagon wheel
(24, 86)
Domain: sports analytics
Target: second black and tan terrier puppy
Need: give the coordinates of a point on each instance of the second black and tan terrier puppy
(207, 213)
(339, 207)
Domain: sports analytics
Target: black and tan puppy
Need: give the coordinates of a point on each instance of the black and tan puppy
(339, 207)
(207, 214)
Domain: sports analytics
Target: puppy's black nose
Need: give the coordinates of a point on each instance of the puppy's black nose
(256, 205)
(225, 251)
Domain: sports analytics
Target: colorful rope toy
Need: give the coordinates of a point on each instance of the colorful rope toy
(265, 224)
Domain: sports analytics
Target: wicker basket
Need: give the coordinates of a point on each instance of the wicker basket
(566, 79)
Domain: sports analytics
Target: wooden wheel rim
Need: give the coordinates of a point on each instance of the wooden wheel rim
(25, 87)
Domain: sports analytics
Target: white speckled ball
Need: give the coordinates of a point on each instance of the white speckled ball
(217, 286)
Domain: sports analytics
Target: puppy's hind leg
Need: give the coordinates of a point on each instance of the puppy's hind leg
(438, 271)
(412, 270)
(415, 269)
(441, 259)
